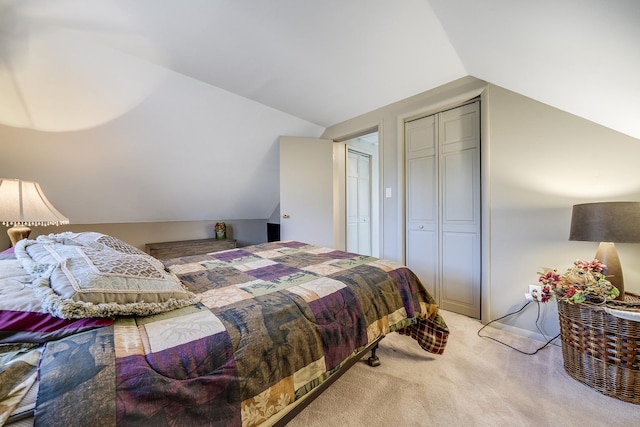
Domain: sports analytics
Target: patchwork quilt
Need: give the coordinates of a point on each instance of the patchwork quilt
(274, 321)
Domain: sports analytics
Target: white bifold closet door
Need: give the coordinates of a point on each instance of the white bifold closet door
(358, 202)
(442, 153)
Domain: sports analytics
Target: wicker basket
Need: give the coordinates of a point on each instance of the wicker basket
(600, 350)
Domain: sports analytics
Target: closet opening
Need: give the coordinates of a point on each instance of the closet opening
(362, 193)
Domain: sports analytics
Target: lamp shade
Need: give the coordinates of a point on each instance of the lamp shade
(24, 203)
(617, 222)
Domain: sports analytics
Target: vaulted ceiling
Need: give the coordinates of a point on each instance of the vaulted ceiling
(321, 61)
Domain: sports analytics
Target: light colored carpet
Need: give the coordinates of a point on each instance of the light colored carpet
(476, 382)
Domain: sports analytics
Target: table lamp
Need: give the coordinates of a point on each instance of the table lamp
(23, 204)
(607, 223)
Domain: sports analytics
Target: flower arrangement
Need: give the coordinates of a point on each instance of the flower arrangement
(585, 281)
(221, 230)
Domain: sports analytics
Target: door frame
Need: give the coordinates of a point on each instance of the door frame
(485, 217)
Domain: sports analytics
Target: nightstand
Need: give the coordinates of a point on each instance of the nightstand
(165, 250)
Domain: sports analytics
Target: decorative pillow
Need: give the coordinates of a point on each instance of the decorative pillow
(79, 275)
(22, 319)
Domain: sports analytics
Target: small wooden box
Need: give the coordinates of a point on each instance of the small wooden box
(166, 250)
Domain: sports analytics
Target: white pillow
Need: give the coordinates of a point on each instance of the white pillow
(91, 274)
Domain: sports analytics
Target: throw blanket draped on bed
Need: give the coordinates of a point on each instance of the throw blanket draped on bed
(273, 322)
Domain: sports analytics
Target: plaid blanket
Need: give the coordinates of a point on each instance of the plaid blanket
(274, 322)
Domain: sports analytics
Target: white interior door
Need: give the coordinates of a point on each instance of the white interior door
(460, 209)
(421, 153)
(312, 191)
(358, 202)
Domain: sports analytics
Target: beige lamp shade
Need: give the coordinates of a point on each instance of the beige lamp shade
(617, 222)
(23, 204)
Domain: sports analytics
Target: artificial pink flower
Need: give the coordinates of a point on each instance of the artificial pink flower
(569, 291)
(550, 277)
(594, 265)
(546, 294)
(586, 280)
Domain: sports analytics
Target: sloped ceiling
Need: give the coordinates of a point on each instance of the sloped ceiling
(323, 62)
(213, 83)
(581, 56)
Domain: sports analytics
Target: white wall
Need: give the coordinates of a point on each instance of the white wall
(185, 151)
(244, 232)
(537, 163)
(542, 162)
(188, 151)
(388, 119)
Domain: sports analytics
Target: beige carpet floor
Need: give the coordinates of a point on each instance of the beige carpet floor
(476, 382)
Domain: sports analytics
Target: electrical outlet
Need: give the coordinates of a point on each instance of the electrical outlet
(528, 297)
(536, 292)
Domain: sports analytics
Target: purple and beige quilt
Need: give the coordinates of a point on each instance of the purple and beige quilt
(273, 322)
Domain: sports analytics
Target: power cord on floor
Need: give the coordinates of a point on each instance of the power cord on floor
(549, 341)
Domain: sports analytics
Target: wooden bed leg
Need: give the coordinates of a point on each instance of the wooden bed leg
(373, 359)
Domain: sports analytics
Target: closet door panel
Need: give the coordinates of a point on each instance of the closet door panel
(364, 204)
(460, 181)
(459, 173)
(420, 137)
(460, 272)
(421, 173)
(422, 257)
(422, 200)
(422, 196)
(459, 128)
(352, 202)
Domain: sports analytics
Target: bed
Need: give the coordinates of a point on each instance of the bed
(103, 334)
